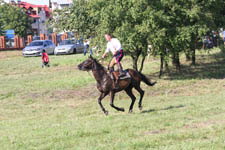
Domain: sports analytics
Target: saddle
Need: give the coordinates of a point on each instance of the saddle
(115, 75)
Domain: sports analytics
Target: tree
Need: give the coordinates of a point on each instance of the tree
(170, 26)
(15, 18)
(1, 15)
(74, 18)
(127, 20)
(202, 17)
(177, 26)
(97, 17)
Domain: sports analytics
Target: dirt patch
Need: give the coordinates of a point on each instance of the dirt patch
(6, 54)
(155, 132)
(191, 126)
(206, 124)
(89, 91)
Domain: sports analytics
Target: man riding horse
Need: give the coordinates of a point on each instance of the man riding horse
(105, 81)
(115, 47)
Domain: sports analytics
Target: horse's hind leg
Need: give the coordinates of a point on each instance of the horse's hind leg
(138, 88)
(133, 98)
(100, 102)
(112, 94)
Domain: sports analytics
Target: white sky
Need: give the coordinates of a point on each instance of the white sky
(39, 2)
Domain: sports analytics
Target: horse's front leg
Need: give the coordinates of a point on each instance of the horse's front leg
(100, 102)
(112, 94)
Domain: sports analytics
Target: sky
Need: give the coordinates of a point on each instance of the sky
(37, 2)
(41, 2)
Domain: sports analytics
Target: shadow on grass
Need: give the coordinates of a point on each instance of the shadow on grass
(211, 66)
(167, 108)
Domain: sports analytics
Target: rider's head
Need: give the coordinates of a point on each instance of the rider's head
(108, 36)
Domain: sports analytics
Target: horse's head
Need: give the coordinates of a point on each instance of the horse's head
(87, 64)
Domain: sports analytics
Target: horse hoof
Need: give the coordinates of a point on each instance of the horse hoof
(106, 112)
(140, 108)
(130, 111)
(122, 109)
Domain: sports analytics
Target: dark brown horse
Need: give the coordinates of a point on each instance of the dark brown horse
(105, 83)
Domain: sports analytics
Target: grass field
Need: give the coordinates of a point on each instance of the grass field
(56, 108)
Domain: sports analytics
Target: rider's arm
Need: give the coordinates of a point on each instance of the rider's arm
(103, 56)
(106, 51)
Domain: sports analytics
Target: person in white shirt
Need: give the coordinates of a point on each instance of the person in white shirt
(115, 47)
(87, 47)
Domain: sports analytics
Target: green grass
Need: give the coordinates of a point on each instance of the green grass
(56, 108)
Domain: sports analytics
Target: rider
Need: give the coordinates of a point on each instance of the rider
(115, 47)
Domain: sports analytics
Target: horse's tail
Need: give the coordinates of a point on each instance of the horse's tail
(145, 80)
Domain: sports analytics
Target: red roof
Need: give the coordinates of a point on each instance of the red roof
(28, 6)
(34, 16)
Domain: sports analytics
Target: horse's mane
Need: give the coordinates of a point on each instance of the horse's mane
(98, 66)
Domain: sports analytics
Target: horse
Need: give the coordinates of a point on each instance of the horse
(106, 83)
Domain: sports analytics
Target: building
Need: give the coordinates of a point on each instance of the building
(39, 14)
(60, 4)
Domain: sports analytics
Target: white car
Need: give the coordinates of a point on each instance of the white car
(69, 47)
(36, 47)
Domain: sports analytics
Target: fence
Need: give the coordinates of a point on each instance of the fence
(18, 43)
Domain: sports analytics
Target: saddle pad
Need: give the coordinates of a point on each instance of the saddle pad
(126, 76)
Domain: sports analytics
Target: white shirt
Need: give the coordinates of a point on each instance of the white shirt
(86, 42)
(113, 45)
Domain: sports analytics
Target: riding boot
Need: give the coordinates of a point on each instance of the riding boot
(122, 73)
(111, 69)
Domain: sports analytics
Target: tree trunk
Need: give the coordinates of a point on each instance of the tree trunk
(167, 66)
(176, 61)
(162, 62)
(161, 65)
(142, 63)
(135, 59)
(134, 63)
(193, 57)
(188, 55)
(193, 46)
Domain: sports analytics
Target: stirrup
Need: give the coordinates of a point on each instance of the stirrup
(122, 73)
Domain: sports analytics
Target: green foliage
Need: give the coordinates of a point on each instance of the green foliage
(1, 24)
(178, 25)
(12, 17)
(172, 25)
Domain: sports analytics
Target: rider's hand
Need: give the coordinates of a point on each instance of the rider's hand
(102, 59)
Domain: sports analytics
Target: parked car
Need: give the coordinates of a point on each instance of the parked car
(35, 48)
(69, 47)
